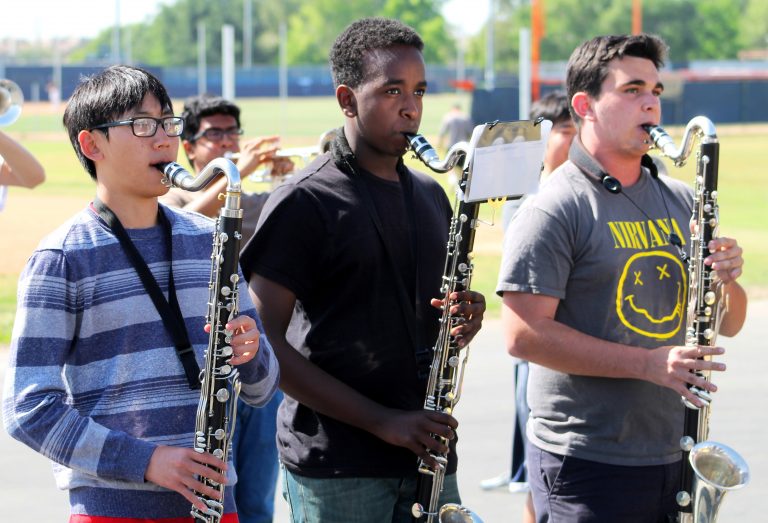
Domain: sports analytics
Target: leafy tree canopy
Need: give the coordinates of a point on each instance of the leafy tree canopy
(715, 29)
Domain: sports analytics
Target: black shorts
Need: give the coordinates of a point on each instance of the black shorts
(573, 490)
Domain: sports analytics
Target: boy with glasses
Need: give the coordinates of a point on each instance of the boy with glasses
(96, 381)
(212, 130)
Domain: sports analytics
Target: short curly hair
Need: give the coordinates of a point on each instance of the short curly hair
(348, 51)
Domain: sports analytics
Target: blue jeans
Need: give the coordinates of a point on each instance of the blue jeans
(519, 471)
(254, 453)
(356, 500)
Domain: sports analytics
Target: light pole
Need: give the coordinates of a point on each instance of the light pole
(490, 72)
(637, 17)
(202, 73)
(247, 33)
(116, 35)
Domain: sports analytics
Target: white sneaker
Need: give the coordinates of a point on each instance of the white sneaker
(502, 480)
(519, 487)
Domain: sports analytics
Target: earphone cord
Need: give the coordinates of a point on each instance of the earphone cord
(672, 237)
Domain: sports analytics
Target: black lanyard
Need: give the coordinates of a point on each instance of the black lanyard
(169, 310)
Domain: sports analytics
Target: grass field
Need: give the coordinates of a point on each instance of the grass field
(29, 215)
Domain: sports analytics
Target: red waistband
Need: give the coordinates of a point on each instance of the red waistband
(83, 518)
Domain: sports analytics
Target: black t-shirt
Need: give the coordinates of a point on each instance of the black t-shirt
(317, 238)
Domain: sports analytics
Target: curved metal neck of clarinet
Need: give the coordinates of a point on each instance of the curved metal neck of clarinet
(174, 175)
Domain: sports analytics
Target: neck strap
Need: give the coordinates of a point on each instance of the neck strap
(169, 309)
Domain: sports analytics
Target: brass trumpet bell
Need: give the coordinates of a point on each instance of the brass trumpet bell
(11, 99)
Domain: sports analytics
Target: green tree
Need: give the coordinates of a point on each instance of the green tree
(171, 37)
(753, 30)
(693, 29)
(314, 27)
(425, 17)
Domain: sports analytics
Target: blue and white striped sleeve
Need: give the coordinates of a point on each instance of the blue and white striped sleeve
(37, 407)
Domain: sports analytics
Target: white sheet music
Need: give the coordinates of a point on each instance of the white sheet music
(506, 159)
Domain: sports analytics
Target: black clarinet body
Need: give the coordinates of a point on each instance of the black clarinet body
(709, 469)
(217, 409)
(449, 361)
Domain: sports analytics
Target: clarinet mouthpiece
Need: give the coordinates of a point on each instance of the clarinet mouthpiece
(172, 172)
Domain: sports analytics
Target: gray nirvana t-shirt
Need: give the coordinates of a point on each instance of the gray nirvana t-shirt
(607, 257)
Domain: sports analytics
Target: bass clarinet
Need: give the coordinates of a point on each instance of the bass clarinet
(217, 409)
(710, 469)
(449, 360)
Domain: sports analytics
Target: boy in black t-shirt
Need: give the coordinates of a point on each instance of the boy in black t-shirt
(349, 255)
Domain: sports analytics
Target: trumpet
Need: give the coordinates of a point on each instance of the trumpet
(305, 154)
(265, 174)
(11, 100)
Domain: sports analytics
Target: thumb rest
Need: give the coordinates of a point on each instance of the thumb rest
(449, 360)
(217, 409)
(710, 469)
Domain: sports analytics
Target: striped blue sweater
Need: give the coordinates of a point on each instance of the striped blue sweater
(94, 382)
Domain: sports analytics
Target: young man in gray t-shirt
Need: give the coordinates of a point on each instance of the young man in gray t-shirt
(594, 291)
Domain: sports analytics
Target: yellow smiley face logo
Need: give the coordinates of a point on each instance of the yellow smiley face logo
(651, 294)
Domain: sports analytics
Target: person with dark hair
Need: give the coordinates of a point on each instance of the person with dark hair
(343, 267)
(101, 381)
(554, 107)
(211, 130)
(602, 320)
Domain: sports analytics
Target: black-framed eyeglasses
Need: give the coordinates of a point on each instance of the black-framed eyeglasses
(216, 134)
(146, 126)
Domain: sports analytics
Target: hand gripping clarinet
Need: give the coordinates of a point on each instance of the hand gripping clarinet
(449, 361)
(217, 409)
(710, 469)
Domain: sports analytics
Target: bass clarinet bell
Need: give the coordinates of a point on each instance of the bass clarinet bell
(719, 469)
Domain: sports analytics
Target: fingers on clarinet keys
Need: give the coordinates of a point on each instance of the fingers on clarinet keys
(704, 396)
(214, 509)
